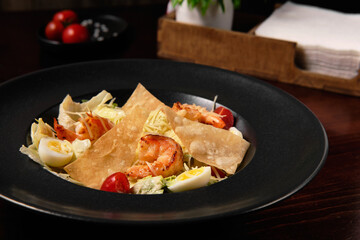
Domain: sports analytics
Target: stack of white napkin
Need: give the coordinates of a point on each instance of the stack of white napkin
(328, 42)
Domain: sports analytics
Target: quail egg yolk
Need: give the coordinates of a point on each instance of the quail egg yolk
(192, 179)
(54, 152)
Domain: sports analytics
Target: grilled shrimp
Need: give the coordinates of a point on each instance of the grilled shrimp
(158, 155)
(200, 114)
(92, 128)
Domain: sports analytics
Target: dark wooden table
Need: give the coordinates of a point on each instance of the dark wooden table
(326, 208)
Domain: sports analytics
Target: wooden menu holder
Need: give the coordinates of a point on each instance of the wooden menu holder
(245, 53)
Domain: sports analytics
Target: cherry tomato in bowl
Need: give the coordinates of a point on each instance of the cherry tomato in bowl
(116, 182)
(75, 33)
(53, 30)
(66, 17)
(227, 116)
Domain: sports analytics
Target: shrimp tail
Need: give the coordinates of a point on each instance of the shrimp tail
(200, 114)
(213, 120)
(63, 133)
(140, 171)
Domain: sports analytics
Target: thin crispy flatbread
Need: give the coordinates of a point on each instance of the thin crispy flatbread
(143, 98)
(114, 152)
(213, 146)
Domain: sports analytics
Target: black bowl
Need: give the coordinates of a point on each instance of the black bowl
(116, 29)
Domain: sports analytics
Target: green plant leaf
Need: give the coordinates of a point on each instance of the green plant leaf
(193, 3)
(176, 2)
(221, 3)
(204, 4)
(236, 3)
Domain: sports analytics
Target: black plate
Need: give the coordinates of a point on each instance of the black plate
(289, 144)
(115, 29)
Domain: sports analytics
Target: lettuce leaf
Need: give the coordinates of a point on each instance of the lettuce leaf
(149, 185)
(70, 111)
(40, 130)
(114, 114)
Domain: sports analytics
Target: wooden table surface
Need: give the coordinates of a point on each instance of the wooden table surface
(326, 208)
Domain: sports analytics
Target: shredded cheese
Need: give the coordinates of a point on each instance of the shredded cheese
(87, 128)
(216, 172)
(151, 168)
(102, 123)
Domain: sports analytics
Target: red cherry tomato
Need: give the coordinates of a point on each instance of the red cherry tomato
(75, 33)
(116, 182)
(53, 30)
(219, 172)
(227, 116)
(66, 17)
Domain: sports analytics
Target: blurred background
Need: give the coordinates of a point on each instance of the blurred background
(328, 208)
(247, 5)
(28, 5)
(139, 40)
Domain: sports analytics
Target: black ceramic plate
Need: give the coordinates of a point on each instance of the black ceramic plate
(289, 144)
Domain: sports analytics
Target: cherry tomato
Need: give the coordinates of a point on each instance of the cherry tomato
(227, 116)
(116, 182)
(75, 33)
(220, 173)
(53, 30)
(66, 17)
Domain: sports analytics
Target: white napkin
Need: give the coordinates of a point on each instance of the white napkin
(328, 42)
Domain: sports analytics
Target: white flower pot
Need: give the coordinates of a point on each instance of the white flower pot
(214, 16)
